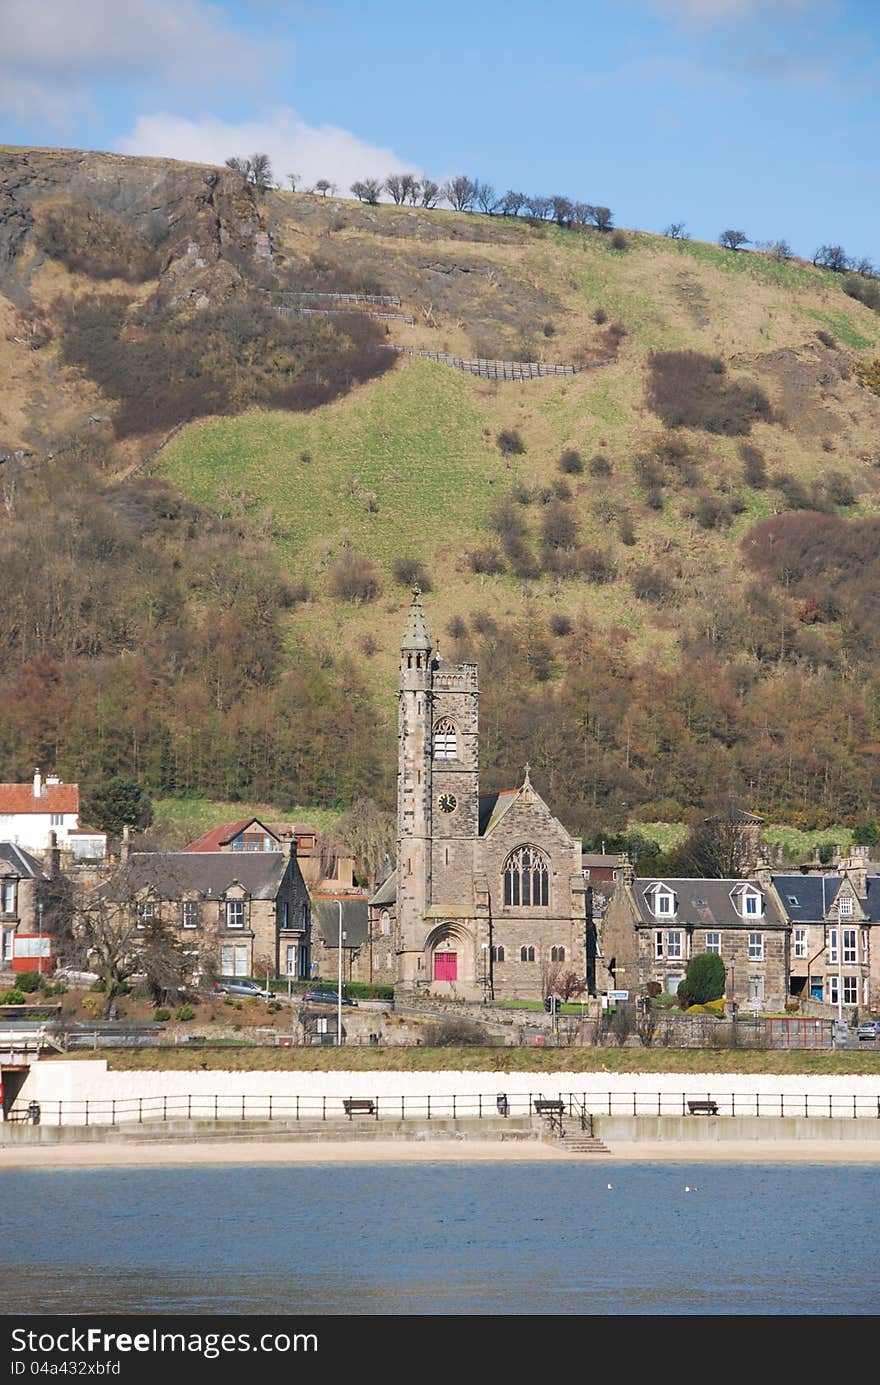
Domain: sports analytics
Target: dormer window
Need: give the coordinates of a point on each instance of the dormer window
(749, 901)
(662, 901)
(445, 740)
(847, 905)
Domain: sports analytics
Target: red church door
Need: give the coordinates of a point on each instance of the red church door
(445, 966)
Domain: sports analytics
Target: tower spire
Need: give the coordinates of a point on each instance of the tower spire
(415, 633)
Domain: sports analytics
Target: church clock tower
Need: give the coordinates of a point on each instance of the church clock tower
(413, 791)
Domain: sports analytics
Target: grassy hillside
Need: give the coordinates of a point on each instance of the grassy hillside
(408, 465)
(582, 536)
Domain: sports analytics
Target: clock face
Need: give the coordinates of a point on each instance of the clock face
(448, 802)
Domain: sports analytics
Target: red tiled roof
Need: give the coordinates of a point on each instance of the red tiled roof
(222, 835)
(55, 798)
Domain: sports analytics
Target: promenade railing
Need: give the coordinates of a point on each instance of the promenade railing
(227, 1106)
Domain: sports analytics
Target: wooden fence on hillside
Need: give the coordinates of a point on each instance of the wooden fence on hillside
(503, 370)
(389, 300)
(341, 312)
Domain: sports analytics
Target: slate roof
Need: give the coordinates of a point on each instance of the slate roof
(21, 864)
(387, 891)
(171, 874)
(492, 808)
(54, 798)
(355, 919)
(597, 860)
(815, 894)
(704, 904)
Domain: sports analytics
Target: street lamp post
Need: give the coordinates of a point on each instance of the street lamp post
(340, 977)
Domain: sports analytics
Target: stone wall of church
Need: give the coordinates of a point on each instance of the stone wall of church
(515, 979)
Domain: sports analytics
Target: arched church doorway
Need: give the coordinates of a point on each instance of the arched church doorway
(449, 952)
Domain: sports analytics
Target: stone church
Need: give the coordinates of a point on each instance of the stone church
(489, 898)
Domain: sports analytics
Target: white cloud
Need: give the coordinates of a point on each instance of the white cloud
(54, 52)
(706, 12)
(293, 146)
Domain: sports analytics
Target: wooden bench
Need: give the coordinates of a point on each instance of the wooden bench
(702, 1108)
(549, 1108)
(353, 1105)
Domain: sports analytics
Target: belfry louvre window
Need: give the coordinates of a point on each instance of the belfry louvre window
(445, 740)
(526, 878)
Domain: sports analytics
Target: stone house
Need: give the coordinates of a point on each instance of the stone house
(489, 897)
(323, 867)
(328, 910)
(236, 915)
(653, 926)
(831, 917)
(24, 944)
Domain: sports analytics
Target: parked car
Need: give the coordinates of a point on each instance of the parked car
(238, 985)
(326, 998)
(869, 1029)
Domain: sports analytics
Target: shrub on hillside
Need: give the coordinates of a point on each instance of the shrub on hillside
(560, 624)
(710, 511)
(600, 466)
(865, 290)
(559, 526)
(486, 560)
(456, 628)
(410, 572)
(596, 566)
(354, 577)
(754, 466)
(650, 584)
(522, 560)
(510, 442)
(839, 488)
(689, 390)
(626, 530)
(95, 242)
(163, 369)
(484, 625)
(571, 462)
(826, 339)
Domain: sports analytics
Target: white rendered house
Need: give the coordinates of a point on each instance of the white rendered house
(30, 812)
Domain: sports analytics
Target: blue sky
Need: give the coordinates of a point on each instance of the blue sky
(760, 115)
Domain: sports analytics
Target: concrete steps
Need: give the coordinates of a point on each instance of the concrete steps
(583, 1144)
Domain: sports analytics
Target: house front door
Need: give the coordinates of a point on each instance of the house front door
(445, 966)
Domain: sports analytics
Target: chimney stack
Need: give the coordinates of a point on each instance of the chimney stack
(125, 849)
(627, 874)
(54, 856)
(38, 784)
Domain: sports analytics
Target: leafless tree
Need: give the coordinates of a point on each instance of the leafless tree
(124, 933)
(512, 203)
(538, 207)
(293, 179)
(732, 240)
(367, 190)
(393, 185)
(832, 257)
(369, 833)
(460, 193)
(324, 186)
(411, 188)
(563, 209)
(431, 193)
(676, 230)
(487, 198)
(260, 171)
(601, 217)
(239, 165)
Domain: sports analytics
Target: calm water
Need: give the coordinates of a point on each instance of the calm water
(441, 1239)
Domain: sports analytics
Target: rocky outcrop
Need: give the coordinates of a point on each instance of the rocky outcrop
(206, 220)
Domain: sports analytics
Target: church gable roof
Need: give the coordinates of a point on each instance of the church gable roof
(387, 891)
(498, 806)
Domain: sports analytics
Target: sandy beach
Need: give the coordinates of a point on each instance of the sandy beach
(188, 1153)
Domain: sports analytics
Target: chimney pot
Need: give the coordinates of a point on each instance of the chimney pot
(38, 784)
